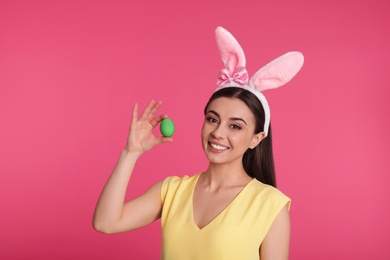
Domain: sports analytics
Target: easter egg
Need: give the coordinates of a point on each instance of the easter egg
(167, 127)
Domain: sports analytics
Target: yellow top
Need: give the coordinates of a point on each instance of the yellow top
(236, 233)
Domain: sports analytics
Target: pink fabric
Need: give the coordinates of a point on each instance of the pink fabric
(275, 74)
(230, 50)
(278, 72)
(240, 76)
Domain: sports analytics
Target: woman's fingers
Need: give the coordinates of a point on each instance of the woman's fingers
(162, 139)
(147, 114)
(135, 114)
(157, 120)
(154, 110)
(150, 111)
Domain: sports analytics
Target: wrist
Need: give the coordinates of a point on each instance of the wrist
(130, 154)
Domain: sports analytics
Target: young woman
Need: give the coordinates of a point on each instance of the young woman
(231, 210)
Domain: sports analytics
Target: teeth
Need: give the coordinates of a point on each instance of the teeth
(218, 147)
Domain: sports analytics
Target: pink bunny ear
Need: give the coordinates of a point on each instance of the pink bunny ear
(230, 50)
(278, 72)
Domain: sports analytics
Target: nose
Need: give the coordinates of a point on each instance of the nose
(218, 132)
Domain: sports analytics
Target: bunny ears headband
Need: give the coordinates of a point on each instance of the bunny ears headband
(273, 75)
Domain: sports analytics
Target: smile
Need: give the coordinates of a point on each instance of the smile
(218, 147)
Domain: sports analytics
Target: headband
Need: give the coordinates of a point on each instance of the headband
(273, 75)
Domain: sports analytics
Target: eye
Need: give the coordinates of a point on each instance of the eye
(212, 120)
(237, 127)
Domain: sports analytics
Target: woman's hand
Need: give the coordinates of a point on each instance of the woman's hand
(111, 214)
(141, 138)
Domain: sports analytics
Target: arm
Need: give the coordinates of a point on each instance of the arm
(277, 241)
(111, 214)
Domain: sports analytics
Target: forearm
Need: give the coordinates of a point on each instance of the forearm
(109, 208)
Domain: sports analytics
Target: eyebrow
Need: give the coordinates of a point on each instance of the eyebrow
(232, 118)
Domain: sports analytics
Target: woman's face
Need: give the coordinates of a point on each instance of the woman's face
(228, 131)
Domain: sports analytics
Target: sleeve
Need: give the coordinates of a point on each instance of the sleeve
(169, 184)
(275, 201)
(268, 202)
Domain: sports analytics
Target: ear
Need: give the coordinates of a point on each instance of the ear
(278, 72)
(230, 50)
(256, 139)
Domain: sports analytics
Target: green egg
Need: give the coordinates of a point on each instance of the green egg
(167, 127)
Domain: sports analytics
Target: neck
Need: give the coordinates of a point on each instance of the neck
(219, 175)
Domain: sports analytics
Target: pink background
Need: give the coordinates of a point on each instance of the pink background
(70, 72)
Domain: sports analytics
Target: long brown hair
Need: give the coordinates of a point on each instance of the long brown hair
(259, 161)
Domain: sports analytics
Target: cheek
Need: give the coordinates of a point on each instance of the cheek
(206, 128)
(203, 137)
(204, 132)
(243, 140)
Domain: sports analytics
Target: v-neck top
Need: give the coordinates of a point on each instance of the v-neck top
(235, 233)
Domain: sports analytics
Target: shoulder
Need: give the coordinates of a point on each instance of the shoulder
(269, 194)
(174, 183)
(176, 180)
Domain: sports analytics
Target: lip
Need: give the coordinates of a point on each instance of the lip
(216, 150)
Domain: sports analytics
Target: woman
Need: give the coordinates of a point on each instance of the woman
(231, 210)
